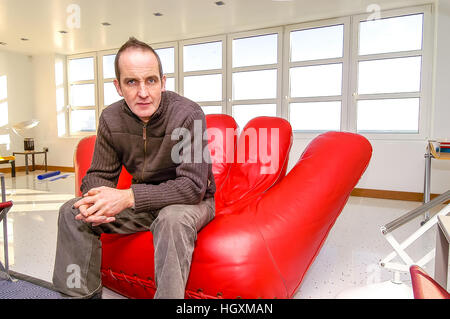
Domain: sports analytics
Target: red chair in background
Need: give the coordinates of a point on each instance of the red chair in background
(268, 227)
(425, 287)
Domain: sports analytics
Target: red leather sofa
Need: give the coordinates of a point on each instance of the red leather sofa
(269, 226)
(425, 287)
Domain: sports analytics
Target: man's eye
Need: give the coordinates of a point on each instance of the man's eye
(130, 82)
(151, 80)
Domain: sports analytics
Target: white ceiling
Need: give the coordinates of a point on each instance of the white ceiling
(40, 20)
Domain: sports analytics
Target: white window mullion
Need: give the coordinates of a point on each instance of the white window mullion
(247, 97)
(397, 101)
(196, 76)
(309, 87)
(84, 77)
(169, 65)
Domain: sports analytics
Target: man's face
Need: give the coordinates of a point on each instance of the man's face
(140, 83)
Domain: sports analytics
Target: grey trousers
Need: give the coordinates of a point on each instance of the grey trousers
(78, 252)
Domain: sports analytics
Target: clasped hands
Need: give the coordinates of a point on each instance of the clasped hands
(99, 205)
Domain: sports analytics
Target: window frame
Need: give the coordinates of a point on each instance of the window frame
(222, 71)
(65, 87)
(166, 45)
(5, 100)
(274, 66)
(71, 108)
(425, 78)
(349, 61)
(344, 60)
(102, 81)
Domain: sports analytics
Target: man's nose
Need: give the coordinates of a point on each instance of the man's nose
(142, 92)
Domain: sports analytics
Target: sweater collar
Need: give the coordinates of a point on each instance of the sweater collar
(160, 111)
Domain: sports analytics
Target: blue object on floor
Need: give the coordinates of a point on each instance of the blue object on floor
(59, 177)
(47, 175)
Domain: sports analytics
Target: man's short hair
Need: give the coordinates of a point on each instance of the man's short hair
(135, 43)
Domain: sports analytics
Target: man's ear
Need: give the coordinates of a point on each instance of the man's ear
(163, 83)
(118, 89)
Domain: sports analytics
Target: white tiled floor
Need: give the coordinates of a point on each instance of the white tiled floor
(348, 259)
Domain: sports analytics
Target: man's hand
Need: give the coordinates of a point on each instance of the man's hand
(101, 204)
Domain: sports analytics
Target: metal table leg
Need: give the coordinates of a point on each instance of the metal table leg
(426, 184)
(26, 163)
(5, 225)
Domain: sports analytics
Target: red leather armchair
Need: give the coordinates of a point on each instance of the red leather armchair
(268, 227)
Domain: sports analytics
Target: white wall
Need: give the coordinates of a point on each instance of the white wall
(18, 70)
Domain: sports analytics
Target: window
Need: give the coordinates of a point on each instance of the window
(315, 81)
(4, 138)
(255, 68)
(61, 103)
(3, 100)
(203, 72)
(168, 53)
(91, 86)
(390, 59)
(345, 74)
(82, 78)
(108, 93)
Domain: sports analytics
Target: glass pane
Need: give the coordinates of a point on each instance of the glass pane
(255, 50)
(216, 109)
(167, 57)
(170, 84)
(3, 113)
(82, 95)
(315, 116)
(108, 66)
(389, 115)
(391, 34)
(320, 80)
(61, 124)
(318, 43)
(389, 75)
(203, 87)
(5, 139)
(110, 94)
(255, 85)
(81, 69)
(244, 113)
(82, 121)
(60, 99)
(3, 87)
(205, 56)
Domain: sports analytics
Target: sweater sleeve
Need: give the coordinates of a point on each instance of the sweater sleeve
(105, 167)
(191, 180)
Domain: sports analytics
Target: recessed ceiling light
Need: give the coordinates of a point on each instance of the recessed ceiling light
(220, 3)
(24, 39)
(158, 14)
(106, 24)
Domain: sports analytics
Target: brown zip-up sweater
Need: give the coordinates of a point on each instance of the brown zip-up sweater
(145, 151)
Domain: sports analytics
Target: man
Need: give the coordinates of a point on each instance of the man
(171, 199)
